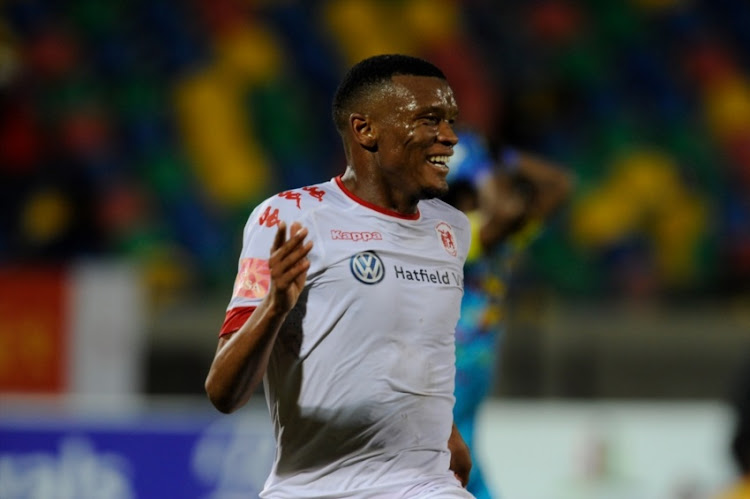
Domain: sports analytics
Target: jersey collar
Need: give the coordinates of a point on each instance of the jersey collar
(367, 204)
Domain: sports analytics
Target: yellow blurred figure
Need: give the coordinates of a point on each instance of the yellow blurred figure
(728, 107)
(46, 215)
(645, 195)
(650, 178)
(364, 28)
(432, 20)
(210, 107)
(676, 234)
(604, 216)
(228, 160)
(248, 56)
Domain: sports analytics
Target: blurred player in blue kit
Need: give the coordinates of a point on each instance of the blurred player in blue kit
(507, 201)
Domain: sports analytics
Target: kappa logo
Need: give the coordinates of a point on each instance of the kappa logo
(367, 267)
(447, 238)
(356, 235)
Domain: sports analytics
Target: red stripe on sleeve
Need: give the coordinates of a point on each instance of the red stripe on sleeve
(234, 319)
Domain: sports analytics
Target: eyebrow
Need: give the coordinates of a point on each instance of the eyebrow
(432, 109)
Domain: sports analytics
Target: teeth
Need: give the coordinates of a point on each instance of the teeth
(442, 160)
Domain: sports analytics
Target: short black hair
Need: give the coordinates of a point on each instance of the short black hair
(372, 72)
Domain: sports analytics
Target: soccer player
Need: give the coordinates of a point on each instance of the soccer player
(346, 301)
(507, 201)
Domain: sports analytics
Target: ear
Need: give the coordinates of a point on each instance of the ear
(362, 130)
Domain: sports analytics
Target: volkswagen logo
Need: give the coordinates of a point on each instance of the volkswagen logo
(367, 267)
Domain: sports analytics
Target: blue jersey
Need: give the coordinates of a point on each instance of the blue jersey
(486, 278)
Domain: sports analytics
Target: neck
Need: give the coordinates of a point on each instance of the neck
(373, 188)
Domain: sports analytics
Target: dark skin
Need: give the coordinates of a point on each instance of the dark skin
(396, 144)
(506, 208)
(389, 144)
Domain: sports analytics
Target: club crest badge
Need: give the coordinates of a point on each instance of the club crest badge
(447, 238)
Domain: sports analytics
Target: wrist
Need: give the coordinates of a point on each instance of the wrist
(276, 308)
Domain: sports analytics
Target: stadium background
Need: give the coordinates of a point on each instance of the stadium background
(136, 136)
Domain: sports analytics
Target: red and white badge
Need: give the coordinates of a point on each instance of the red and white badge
(253, 279)
(447, 238)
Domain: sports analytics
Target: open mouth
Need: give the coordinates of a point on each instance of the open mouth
(440, 161)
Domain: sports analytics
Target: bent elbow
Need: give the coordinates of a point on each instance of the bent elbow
(221, 405)
(224, 408)
(222, 401)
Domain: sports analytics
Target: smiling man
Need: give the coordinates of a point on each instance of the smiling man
(356, 359)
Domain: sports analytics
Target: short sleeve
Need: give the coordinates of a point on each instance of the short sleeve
(253, 278)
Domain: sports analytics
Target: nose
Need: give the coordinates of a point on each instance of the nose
(446, 135)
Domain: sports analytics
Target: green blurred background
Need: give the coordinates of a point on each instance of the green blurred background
(137, 135)
(146, 131)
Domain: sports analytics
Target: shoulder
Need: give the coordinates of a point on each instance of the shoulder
(294, 204)
(303, 198)
(438, 209)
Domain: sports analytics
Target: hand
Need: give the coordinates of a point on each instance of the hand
(288, 266)
(460, 457)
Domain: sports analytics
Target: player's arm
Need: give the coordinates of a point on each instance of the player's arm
(525, 187)
(241, 358)
(552, 184)
(460, 456)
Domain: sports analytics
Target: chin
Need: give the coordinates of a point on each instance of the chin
(435, 191)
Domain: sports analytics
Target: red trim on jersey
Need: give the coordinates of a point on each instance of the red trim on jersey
(234, 319)
(372, 206)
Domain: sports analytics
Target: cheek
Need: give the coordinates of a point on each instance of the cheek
(408, 132)
(422, 136)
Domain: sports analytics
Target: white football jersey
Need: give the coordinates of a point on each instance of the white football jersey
(360, 381)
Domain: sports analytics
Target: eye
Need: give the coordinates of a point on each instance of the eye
(430, 120)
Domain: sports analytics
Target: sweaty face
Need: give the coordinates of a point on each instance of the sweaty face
(414, 121)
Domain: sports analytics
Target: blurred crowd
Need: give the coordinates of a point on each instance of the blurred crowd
(150, 128)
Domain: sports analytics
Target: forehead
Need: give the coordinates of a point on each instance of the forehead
(412, 93)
